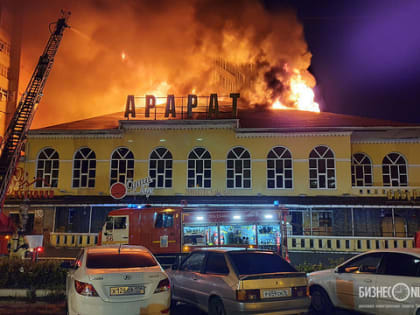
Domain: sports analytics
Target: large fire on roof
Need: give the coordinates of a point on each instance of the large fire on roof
(118, 48)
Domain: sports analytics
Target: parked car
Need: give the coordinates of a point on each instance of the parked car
(379, 282)
(117, 279)
(237, 281)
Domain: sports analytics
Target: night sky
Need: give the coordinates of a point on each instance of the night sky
(365, 55)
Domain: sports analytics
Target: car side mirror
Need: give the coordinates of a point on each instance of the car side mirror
(364, 268)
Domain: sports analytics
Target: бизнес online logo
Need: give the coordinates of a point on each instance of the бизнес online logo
(400, 292)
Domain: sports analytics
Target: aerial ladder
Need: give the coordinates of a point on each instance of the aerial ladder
(15, 136)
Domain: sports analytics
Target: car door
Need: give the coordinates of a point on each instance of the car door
(184, 278)
(212, 279)
(400, 275)
(354, 277)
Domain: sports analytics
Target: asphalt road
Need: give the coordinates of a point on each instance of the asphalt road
(10, 307)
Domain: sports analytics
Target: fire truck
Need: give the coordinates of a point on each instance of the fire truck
(173, 231)
(15, 137)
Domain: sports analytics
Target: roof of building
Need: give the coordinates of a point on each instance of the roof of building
(248, 119)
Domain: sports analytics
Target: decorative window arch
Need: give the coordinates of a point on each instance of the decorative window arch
(199, 168)
(47, 166)
(160, 168)
(122, 165)
(84, 168)
(238, 168)
(279, 168)
(322, 168)
(361, 170)
(394, 170)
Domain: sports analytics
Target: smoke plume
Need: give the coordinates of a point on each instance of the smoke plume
(115, 48)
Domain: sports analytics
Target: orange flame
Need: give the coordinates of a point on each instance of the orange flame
(301, 95)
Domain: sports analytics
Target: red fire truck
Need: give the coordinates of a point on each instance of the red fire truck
(177, 230)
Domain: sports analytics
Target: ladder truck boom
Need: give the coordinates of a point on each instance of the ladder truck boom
(15, 136)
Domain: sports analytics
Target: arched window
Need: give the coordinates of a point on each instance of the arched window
(199, 168)
(238, 168)
(47, 168)
(122, 165)
(84, 168)
(279, 168)
(160, 168)
(361, 170)
(394, 170)
(321, 168)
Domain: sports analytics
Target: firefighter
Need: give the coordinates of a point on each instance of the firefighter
(17, 245)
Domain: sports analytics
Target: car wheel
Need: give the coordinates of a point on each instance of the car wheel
(320, 301)
(216, 307)
(418, 312)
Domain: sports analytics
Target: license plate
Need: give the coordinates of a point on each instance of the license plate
(129, 290)
(269, 294)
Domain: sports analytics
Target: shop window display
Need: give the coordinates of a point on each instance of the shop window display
(201, 236)
(269, 234)
(238, 234)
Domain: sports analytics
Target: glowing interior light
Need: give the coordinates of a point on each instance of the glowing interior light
(162, 140)
(268, 216)
(236, 217)
(200, 218)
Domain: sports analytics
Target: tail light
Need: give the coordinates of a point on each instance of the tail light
(299, 291)
(163, 286)
(84, 288)
(248, 295)
(40, 249)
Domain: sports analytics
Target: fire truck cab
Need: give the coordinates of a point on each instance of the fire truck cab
(158, 229)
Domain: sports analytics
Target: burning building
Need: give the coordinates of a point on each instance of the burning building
(348, 183)
(223, 120)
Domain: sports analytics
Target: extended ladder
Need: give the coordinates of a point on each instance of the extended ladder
(15, 135)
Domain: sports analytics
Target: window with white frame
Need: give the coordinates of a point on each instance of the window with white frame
(47, 168)
(361, 170)
(238, 168)
(279, 168)
(394, 170)
(122, 165)
(160, 168)
(84, 168)
(199, 168)
(321, 168)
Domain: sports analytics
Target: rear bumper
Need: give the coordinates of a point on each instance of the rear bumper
(291, 306)
(82, 305)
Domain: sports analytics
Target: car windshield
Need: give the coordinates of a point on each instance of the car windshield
(248, 263)
(120, 260)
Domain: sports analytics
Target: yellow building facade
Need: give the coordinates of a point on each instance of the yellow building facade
(348, 183)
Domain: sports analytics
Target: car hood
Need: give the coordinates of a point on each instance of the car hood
(321, 273)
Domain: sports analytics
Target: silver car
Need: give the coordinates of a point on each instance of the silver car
(239, 281)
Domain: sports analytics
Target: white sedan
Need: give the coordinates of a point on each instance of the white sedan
(378, 282)
(117, 279)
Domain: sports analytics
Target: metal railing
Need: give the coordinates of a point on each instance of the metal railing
(346, 243)
(73, 239)
(295, 243)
